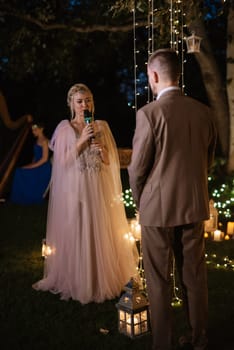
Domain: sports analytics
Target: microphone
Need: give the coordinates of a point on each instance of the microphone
(87, 116)
(88, 119)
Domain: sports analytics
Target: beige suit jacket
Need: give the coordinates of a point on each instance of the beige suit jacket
(173, 148)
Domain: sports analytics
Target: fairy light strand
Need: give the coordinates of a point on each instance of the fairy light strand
(177, 25)
(134, 56)
(177, 32)
(150, 38)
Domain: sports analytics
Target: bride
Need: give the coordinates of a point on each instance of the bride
(90, 258)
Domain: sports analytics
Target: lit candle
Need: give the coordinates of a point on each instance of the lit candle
(136, 325)
(217, 235)
(46, 249)
(230, 228)
(43, 249)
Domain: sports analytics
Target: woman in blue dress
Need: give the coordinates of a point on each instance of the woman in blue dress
(31, 181)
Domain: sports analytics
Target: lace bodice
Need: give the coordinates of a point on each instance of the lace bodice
(89, 160)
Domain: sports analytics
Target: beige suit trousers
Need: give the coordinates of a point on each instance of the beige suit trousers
(186, 244)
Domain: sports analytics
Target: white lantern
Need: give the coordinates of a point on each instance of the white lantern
(133, 311)
(193, 43)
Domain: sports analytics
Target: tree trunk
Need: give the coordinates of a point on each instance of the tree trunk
(230, 84)
(215, 87)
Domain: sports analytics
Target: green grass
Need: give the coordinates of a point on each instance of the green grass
(31, 320)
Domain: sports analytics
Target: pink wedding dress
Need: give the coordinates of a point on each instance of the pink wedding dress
(91, 259)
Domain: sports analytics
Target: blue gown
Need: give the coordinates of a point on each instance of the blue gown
(29, 185)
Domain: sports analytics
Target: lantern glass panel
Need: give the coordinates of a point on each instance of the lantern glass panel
(122, 315)
(133, 325)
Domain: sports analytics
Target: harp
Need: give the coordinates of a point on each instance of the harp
(8, 163)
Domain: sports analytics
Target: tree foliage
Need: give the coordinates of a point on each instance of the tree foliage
(56, 32)
(47, 45)
(49, 37)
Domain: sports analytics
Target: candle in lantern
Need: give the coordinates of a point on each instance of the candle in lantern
(46, 249)
(217, 235)
(230, 228)
(136, 325)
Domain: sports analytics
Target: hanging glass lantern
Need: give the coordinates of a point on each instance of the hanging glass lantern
(193, 43)
(133, 311)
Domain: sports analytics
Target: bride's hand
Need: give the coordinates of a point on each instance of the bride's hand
(96, 146)
(101, 149)
(85, 137)
(87, 133)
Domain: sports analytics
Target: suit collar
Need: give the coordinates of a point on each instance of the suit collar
(168, 89)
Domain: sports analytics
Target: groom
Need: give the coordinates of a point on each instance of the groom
(173, 148)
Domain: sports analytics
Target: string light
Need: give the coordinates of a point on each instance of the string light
(177, 26)
(134, 56)
(223, 199)
(128, 199)
(212, 260)
(176, 301)
(177, 32)
(140, 77)
(134, 235)
(150, 39)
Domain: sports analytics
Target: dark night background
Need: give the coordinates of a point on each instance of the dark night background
(37, 67)
(102, 60)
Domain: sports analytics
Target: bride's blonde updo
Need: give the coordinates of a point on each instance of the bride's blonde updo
(81, 88)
